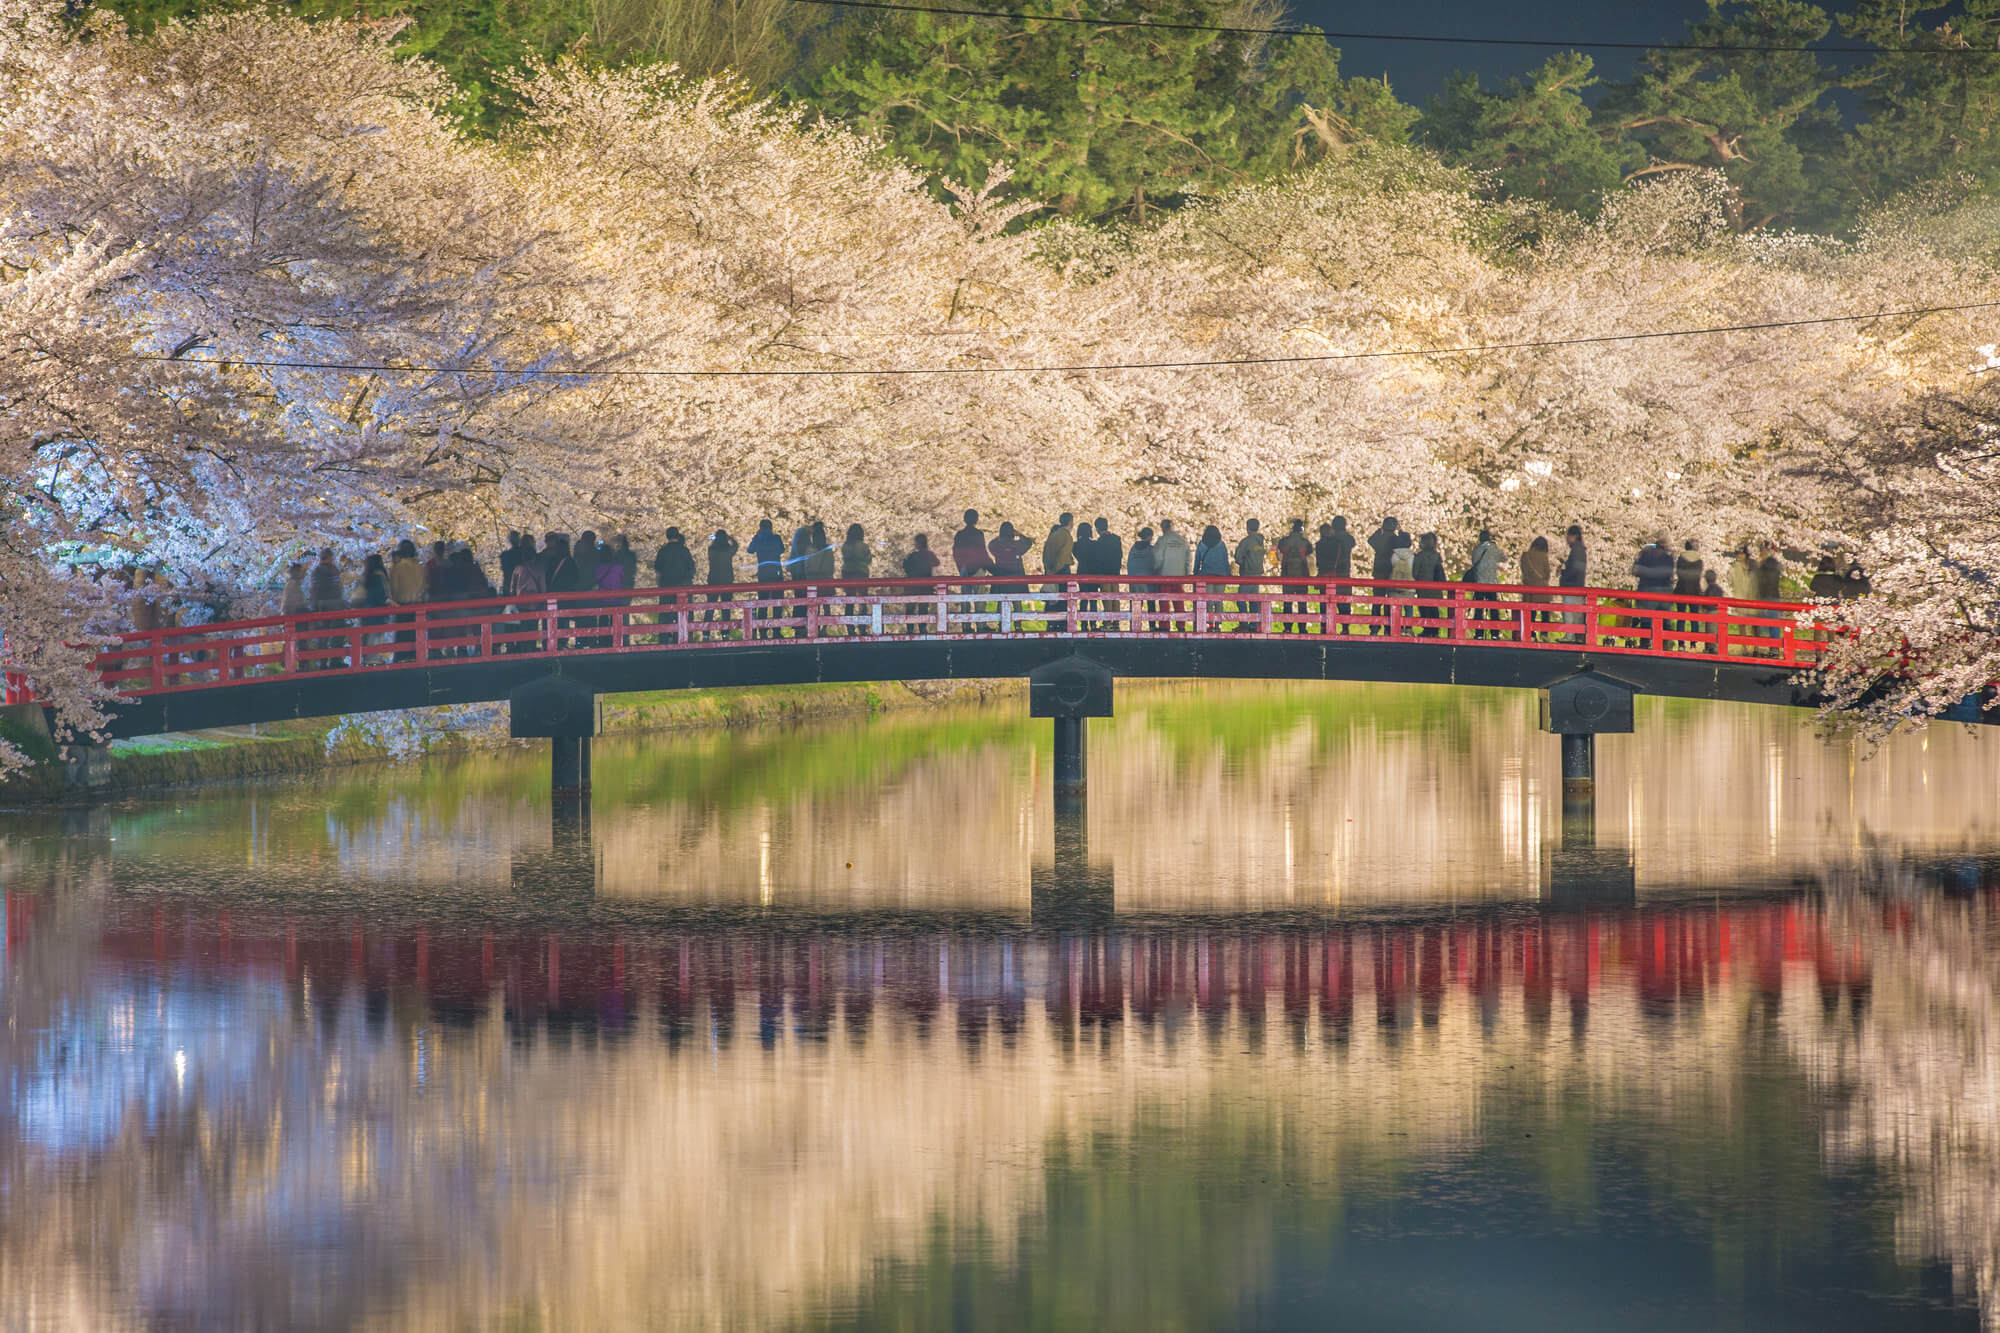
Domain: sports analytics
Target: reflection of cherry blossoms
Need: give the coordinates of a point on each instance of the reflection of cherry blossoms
(1919, 1080)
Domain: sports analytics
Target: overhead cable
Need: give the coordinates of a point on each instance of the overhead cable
(1430, 38)
(1317, 358)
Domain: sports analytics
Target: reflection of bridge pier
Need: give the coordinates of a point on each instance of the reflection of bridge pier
(1071, 892)
(1581, 874)
(568, 868)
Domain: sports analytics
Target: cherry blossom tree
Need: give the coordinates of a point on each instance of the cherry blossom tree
(1917, 489)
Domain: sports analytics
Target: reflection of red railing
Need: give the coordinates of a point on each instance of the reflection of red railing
(1387, 973)
(1020, 606)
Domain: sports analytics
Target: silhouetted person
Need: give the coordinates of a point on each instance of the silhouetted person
(1482, 567)
(1653, 569)
(673, 563)
(374, 582)
(1688, 569)
(292, 601)
(1333, 558)
(1139, 561)
(1536, 570)
(1767, 580)
(1008, 553)
(673, 569)
(921, 563)
(1295, 551)
(1427, 566)
(1383, 540)
(968, 548)
(510, 555)
(1173, 558)
(767, 548)
(323, 589)
(1826, 580)
(721, 574)
(325, 593)
(1575, 571)
(1058, 558)
(1856, 583)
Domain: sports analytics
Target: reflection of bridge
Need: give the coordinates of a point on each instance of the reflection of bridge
(700, 982)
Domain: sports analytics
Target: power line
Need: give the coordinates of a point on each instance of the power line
(1079, 368)
(1438, 39)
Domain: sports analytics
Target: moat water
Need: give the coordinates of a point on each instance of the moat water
(1325, 1015)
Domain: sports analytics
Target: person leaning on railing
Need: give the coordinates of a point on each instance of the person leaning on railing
(406, 588)
(921, 563)
(1427, 566)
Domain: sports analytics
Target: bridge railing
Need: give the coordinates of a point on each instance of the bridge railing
(1599, 620)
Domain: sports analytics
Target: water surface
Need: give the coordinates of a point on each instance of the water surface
(1327, 1015)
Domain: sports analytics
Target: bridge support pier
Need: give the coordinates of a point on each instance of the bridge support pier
(1072, 763)
(1579, 750)
(569, 765)
(1580, 875)
(563, 711)
(1070, 690)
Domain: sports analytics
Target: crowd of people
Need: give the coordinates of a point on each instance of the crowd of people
(447, 571)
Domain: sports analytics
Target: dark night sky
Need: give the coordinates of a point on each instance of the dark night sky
(1417, 70)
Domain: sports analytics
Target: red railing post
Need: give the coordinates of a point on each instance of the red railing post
(812, 612)
(1071, 618)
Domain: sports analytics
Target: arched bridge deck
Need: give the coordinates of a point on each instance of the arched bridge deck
(366, 660)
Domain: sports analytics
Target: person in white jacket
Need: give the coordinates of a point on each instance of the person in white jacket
(1173, 559)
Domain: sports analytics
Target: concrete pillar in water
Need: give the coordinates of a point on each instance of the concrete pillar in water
(1070, 690)
(1580, 874)
(1072, 761)
(563, 711)
(1579, 751)
(569, 765)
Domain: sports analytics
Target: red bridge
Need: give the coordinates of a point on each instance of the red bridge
(322, 664)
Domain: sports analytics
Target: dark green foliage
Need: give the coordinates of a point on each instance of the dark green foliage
(1100, 121)
(1928, 113)
(1113, 121)
(1537, 134)
(1760, 118)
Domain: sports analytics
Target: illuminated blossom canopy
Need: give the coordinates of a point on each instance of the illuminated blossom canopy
(183, 215)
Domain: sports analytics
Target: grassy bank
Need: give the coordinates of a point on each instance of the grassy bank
(303, 747)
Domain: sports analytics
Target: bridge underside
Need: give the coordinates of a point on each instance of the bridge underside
(1349, 658)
